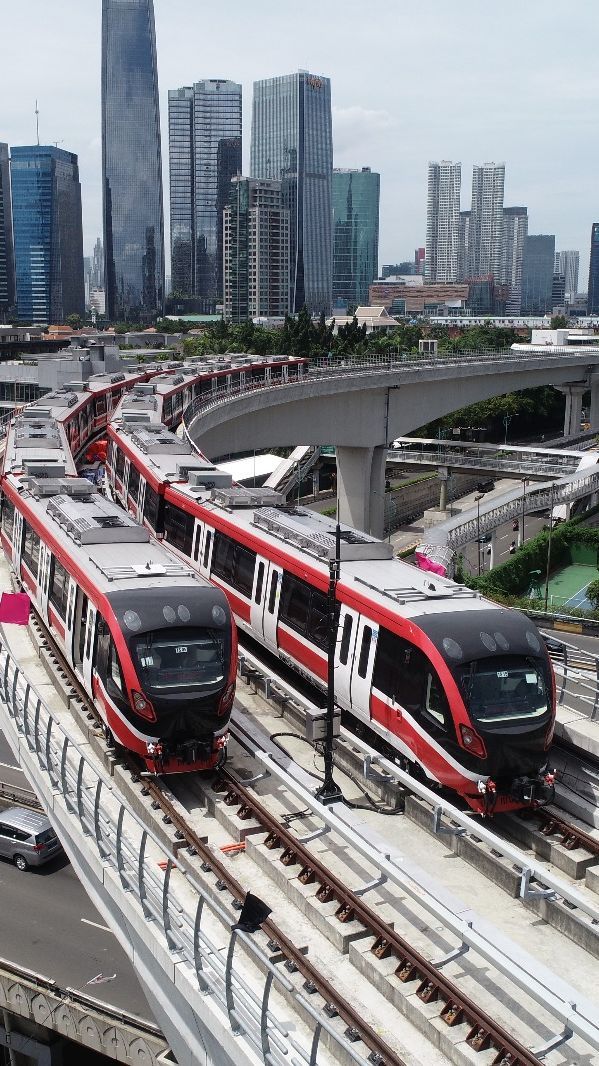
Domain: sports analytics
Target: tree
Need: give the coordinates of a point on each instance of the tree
(593, 593)
(74, 321)
(559, 322)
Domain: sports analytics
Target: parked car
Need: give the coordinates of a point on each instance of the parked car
(27, 838)
(485, 486)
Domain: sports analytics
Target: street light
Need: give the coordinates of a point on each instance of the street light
(523, 506)
(478, 499)
(329, 791)
(549, 549)
(506, 421)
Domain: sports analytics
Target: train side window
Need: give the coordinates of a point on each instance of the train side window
(245, 564)
(133, 487)
(100, 406)
(223, 557)
(167, 409)
(8, 517)
(120, 464)
(152, 508)
(31, 549)
(207, 544)
(59, 588)
(345, 639)
(386, 663)
(274, 581)
(114, 668)
(178, 527)
(318, 625)
(295, 603)
(435, 703)
(364, 651)
(259, 583)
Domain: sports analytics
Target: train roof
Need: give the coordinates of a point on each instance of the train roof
(36, 436)
(367, 564)
(112, 550)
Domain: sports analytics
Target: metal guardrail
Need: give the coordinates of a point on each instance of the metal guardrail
(181, 913)
(502, 463)
(526, 973)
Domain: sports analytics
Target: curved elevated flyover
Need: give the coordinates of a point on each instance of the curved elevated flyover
(359, 408)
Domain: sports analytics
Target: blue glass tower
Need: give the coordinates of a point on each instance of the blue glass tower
(131, 162)
(593, 302)
(356, 196)
(46, 200)
(292, 142)
(537, 273)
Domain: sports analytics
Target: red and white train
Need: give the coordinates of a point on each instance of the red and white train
(454, 683)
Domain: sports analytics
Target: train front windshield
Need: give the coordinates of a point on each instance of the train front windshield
(504, 689)
(171, 660)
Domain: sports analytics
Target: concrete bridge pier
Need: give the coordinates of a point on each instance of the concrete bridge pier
(361, 488)
(573, 413)
(594, 413)
(443, 472)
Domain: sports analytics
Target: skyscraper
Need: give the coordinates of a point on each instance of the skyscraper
(204, 122)
(515, 232)
(485, 234)
(256, 251)
(356, 195)
(593, 304)
(97, 266)
(463, 245)
(568, 263)
(443, 222)
(537, 274)
(7, 261)
(292, 142)
(46, 198)
(131, 162)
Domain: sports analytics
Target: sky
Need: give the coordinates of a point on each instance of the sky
(516, 82)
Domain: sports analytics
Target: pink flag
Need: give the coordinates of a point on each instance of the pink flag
(14, 607)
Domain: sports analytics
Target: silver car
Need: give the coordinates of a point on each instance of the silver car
(27, 838)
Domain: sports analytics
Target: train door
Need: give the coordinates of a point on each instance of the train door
(141, 500)
(363, 662)
(79, 627)
(272, 599)
(71, 627)
(345, 649)
(17, 541)
(197, 544)
(258, 595)
(228, 381)
(242, 379)
(44, 579)
(267, 375)
(285, 373)
(206, 541)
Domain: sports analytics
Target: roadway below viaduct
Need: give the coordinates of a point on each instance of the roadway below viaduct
(360, 409)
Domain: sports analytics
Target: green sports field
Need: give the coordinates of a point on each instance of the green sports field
(567, 587)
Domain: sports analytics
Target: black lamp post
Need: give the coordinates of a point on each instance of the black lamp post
(329, 791)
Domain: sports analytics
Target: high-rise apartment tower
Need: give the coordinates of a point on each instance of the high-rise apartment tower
(48, 236)
(443, 222)
(131, 162)
(204, 122)
(7, 256)
(256, 251)
(485, 232)
(568, 264)
(292, 142)
(356, 195)
(515, 232)
(593, 303)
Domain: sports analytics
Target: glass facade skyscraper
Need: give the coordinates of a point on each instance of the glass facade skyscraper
(131, 162)
(356, 195)
(204, 122)
(292, 143)
(46, 199)
(537, 274)
(7, 261)
(593, 303)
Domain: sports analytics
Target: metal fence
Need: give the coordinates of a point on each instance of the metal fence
(226, 963)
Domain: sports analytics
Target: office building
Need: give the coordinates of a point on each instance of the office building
(292, 143)
(443, 222)
(256, 251)
(515, 232)
(558, 291)
(204, 122)
(393, 270)
(485, 229)
(131, 163)
(97, 266)
(419, 259)
(593, 300)
(7, 256)
(48, 237)
(537, 274)
(568, 264)
(356, 195)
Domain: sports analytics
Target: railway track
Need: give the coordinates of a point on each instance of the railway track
(444, 1000)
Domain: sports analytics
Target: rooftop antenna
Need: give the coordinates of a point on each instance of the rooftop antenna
(37, 123)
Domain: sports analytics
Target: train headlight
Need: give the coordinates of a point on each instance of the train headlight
(472, 742)
(227, 700)
(142, 706)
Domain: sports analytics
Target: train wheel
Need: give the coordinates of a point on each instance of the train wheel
(109, 737)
